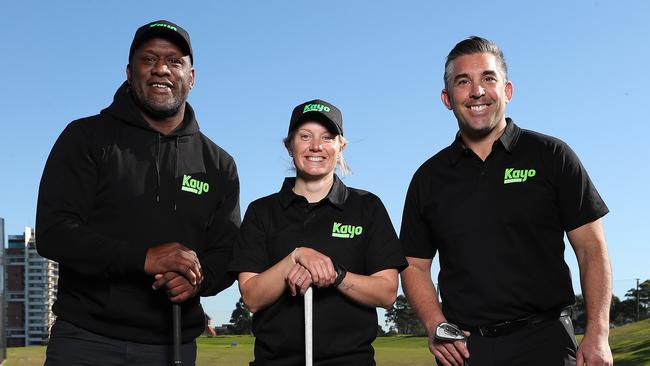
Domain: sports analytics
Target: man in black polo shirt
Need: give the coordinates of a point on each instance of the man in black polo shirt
(496, 204)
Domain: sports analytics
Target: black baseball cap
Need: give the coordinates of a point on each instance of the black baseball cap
(320, 111)
(162, 29)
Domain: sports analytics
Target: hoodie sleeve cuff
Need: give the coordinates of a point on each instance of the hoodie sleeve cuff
(130, 258)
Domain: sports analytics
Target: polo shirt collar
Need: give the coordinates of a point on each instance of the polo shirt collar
(508, 140)
(510, 136)
(336, 196)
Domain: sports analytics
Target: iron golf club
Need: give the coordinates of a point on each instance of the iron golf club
(448, 332)
(176, 321)
(309, 345)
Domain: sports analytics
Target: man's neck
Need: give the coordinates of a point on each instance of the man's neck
(482, 146)
(166, 125)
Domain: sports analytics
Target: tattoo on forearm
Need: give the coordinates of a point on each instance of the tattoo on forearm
(345, 286)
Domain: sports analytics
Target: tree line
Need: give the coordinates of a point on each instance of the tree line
(401, 318)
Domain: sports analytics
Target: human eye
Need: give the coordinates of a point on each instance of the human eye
(462, 81)
(328, 138)
(175, 61)
(304, 136)
(490, 77)
(148, 60)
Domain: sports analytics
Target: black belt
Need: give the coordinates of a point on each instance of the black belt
(508, 327)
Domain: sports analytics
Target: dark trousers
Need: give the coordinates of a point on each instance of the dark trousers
(551, 343)
(72, 346)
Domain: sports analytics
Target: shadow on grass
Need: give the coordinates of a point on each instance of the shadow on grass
(633, 355)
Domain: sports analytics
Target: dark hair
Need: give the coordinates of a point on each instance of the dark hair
(470, 46)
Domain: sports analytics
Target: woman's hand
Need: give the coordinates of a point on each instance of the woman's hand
(320, 266)
(298, 279)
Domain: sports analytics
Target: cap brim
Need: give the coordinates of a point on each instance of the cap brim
(167, 34)
(320, 118)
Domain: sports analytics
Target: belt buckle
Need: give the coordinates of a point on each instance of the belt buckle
(488, 331)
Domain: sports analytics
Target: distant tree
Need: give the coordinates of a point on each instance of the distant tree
(616, 311)
(621, 311)
(579, 316)
(241, 319)
(644, 299)
(403, 318)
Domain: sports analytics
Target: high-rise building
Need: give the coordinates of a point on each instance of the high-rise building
(31, 290)
(3, 304)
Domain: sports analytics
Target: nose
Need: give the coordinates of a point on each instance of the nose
(315, 145)
(477, 90)
(161, 68)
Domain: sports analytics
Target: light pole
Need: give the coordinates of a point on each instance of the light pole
(638, 295)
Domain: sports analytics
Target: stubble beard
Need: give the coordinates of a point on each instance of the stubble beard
(155, 110)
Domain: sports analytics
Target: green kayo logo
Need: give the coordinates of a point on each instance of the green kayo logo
(315, 108)
(163, 25)
(193, 185)
(513, 175)
(345, 231)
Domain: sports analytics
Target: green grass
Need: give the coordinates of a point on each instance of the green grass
(225, 350)
(630, 345)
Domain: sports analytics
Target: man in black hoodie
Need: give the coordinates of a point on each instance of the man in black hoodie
(140, 209)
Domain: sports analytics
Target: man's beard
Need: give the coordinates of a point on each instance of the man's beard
(158, 111)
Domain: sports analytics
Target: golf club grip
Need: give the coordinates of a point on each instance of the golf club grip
(176, 315)
(309, 345)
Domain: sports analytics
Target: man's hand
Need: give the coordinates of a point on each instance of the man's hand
(449, 353)
(298, 279)
(177, 287)
(594, 351)
(174, 257)
(319, 266)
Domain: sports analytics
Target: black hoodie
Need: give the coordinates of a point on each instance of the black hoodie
(112, 188)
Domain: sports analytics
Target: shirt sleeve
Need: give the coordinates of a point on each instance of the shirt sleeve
(250, 254)
(579, 201)
(66, 197)
(384, 250)
(415, 235)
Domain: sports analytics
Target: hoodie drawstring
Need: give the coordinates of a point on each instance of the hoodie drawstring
(178, 153)
(176, 160)
(158, 170)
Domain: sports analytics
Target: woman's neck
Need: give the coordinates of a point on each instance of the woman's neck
(313, 190)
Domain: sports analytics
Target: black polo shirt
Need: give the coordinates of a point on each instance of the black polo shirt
(499, 225)
(350, 226)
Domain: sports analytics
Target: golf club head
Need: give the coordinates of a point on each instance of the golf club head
(449, 332)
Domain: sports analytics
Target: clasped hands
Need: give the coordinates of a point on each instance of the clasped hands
(176, 269)
(309, 267)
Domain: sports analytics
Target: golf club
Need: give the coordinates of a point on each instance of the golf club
(176, 321)
(448, 332)
(309, 303)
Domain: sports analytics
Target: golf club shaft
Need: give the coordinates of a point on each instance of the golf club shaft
(309, 345)
(176, 314)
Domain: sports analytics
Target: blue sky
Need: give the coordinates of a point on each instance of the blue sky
(580, 71)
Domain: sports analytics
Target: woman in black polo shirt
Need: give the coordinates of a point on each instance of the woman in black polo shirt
(317, 232)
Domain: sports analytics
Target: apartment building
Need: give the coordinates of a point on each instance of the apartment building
(3, 304)
(31, 284)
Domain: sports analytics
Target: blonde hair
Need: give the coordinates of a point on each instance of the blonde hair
(344, 168)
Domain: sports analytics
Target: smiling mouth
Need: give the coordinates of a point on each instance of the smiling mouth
(315, 158)
(164, 86)
(478, 108)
